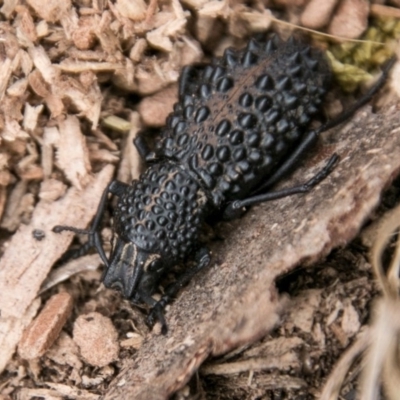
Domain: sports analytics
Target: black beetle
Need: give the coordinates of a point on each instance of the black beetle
(240, 126)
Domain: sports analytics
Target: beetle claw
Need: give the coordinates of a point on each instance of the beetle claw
(233, 210)
(157, 314)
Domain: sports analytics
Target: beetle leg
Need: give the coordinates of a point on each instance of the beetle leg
(184, 80)
(116, 188)
(143, 148)
(191, 78)
(309, 140)
(189, 74)
(202, 259)
(235, 208)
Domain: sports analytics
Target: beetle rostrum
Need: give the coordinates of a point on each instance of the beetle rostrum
(240, 126)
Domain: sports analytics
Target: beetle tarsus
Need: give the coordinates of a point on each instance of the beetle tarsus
(63, 228)
(322, 174)
(231, 211)
(157, 314)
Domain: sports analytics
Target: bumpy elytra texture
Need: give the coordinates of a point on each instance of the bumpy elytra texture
(161, 213)
(244, 114)
(237, 121)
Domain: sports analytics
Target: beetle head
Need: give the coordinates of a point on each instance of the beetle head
(132, 270)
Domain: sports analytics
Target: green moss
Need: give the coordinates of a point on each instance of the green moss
(353, 63)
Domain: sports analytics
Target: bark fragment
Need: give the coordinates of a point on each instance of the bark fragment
(41, 333)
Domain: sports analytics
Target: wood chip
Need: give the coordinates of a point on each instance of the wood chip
(52, 189)
(215, 8)
(155, 109)
(38, 84)
(72, 153)
(257, 21)
(83, 35)
(31, 116)
(97, 339)
(317, 13)
(71, 65)
(350, 19)
(42, 29)
(160, 38)
(45, 328)
(134, 10)
(14, 210)
(350, 320)
(131, 164)
(138, 50)
(86, 100)
(18, 88)
(380, 10)
(25, 24)
(54, 10)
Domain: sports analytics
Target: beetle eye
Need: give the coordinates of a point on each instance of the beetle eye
(155, 265)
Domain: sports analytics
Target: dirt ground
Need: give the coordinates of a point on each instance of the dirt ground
(287, 304)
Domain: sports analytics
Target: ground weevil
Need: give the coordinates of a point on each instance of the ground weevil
(240, 125)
